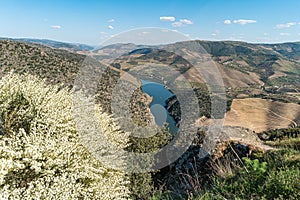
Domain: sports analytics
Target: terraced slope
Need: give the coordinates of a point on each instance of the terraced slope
(262, 115)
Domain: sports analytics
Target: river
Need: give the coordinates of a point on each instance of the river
(159, 94)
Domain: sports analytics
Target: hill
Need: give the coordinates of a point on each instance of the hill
(61, 67)
(271, 64)
(266, 71)
(57, 66)
(262, 88)
(263, 71)
(73, 47)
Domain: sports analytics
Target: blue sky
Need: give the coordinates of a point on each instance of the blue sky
(92, 21)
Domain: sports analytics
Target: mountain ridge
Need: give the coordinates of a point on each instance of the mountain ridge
(73, 47)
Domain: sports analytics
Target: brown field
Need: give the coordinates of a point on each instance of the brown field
(231, 77)
(261, 114)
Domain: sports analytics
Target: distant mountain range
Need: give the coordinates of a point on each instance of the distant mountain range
(243, 64)
(73, 47)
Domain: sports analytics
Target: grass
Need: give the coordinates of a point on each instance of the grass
(271, 175)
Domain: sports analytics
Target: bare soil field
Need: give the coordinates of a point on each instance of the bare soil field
(261, 114)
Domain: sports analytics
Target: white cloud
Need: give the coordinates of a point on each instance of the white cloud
(284, 34)
(56, 26)
(166, 31)
(186, 21)
(291, 23)
(227, 21)
(286, 25)
(182, 22)
(110, 27)
(215, 33)
(167, 18)
(177, 24)
(265, 34)
(244, 21)
(111, 20)
(103, 33)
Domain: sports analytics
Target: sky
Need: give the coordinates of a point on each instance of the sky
(93, 21)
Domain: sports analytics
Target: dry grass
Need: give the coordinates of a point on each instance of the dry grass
(261, 114)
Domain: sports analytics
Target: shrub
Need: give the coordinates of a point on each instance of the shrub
(41, 155)
(283, 183)
(141, 184)
(261, 180)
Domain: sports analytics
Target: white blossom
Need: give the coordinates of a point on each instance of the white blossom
(41, 156)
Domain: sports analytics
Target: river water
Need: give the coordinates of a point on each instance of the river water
(159, 94)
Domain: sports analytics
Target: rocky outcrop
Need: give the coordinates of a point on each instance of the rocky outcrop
(237, 141)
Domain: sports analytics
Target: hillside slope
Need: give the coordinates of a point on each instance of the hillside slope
(57, 66)
(262, 71)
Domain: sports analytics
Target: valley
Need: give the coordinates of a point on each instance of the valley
(260, 82)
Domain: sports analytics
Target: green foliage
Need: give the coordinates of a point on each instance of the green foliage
(283, 183)
(141, 185)
(151, 144)
(246, 184)
(280, 133)
(18, 108)
(56, 66)
(272, 175)
(204, 100)
(159, 195)
(272, 178)
(255, 167)
(285, 138)
(285, 80)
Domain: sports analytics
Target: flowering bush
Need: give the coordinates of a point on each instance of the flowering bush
(41, 156)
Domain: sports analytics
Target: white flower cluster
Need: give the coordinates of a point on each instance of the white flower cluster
(41, 156)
